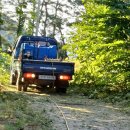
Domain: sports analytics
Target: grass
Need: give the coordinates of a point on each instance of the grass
(16, 113)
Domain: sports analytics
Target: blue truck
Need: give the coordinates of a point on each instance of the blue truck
(35, 62)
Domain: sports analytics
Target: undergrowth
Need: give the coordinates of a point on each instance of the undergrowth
(5, 61)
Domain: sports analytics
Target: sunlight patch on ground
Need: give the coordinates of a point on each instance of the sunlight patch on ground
(36, 93)
(9, 88)
(72, 118)
(112, 107)
(95, 127)
(2, 127)
(77, 109)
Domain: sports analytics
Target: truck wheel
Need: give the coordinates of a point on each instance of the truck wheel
(41, 88)
(58, 90)
(61, 90)
(61, 86)
(25, 87)
(12, 80)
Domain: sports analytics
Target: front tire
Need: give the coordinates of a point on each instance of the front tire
(25, 87)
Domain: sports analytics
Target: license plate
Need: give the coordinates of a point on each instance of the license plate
(47, 77)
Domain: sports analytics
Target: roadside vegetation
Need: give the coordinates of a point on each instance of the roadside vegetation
(5, 61)
(101, 44)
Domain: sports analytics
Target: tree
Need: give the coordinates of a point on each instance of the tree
(100, 42)
(21, 16)
(50, 19)
(31, 26)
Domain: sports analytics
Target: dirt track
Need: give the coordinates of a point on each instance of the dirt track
(81, 113)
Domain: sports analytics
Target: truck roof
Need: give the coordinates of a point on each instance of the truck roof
(26, 38)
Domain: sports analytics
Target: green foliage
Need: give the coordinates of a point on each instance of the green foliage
(5, 61)
(3, 40)
(8, 30)
(21, 16)
(33, 17)
(1, 20)
(101, 44)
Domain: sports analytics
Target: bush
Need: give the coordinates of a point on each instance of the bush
(5, 61)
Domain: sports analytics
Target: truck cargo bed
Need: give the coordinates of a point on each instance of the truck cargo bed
(47, 67)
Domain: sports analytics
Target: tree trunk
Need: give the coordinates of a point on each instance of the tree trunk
(62, 36)
(45, 22)
(37, 23)
(54, 25)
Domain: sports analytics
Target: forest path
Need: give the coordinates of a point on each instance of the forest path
(74, 112)
(80, 113)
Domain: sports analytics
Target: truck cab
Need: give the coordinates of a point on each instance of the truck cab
(35, 62)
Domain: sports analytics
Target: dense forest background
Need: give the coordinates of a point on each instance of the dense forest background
(94, 33)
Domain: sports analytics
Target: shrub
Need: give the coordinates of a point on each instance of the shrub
(5, 61)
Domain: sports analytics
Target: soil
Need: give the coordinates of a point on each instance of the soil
(81, 113)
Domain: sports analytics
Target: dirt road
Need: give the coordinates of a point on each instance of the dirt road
(80, 113)
(67, 112)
